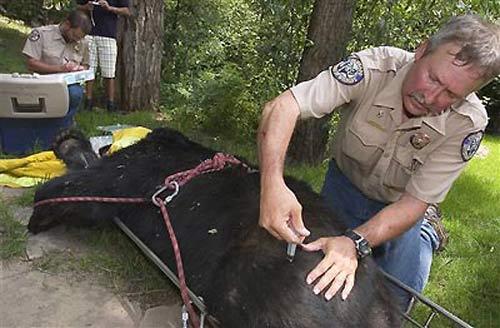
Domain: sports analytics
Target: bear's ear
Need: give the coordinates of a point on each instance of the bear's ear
(38, 224)
(74, 149)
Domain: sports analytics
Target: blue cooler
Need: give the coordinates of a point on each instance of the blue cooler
(21, 136)
(34, 108)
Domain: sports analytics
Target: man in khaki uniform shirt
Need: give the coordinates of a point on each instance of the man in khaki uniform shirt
(409, 125)
(59, 49)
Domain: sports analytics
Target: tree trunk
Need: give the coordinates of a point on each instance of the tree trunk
(329, 30)
(140, 49)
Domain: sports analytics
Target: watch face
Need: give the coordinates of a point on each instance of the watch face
(364, 249)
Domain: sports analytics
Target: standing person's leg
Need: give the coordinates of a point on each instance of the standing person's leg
(107, 59)
(93, 63)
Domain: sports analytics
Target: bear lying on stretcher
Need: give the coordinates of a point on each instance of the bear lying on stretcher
(239, 269)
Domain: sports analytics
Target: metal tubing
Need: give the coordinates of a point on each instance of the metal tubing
(152, 256)
(427, 301)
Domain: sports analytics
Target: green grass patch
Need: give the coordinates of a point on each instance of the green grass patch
(12, 234)
(464, 278)
(26, 199)
(12, 37)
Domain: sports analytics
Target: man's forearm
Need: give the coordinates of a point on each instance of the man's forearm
(275, 131)
(123, 11)
(85, 7)
(38, 66)
(393, 220)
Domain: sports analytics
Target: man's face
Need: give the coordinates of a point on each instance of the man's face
(436, 81)
(70, 34)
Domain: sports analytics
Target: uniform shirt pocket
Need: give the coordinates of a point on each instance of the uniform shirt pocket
(404, 162)
(364, 145)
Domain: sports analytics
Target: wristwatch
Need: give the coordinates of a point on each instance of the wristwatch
(362, 246)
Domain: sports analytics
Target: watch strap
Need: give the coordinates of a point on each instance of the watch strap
(362, 246)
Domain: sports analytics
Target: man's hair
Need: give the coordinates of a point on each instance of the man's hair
(479, 41)
(78, 18)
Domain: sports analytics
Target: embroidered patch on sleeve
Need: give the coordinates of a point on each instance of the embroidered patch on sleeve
(348, 71)
(470, 145)
(34, 36)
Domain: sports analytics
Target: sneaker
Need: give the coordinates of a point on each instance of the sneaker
(434, 217)
(111, 107)
(88, 105)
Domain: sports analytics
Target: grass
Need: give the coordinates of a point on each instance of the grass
(464, 278)
(12, 37)
(12, 234)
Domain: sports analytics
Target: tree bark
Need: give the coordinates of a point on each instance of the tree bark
(140, 50)
(329, 30)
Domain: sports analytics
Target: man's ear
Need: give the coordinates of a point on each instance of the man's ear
(419, 53)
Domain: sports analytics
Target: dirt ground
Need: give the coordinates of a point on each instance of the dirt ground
(33, 297)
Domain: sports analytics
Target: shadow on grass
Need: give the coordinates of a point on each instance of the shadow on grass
(11, 44)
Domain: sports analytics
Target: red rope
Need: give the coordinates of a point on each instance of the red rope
(91, 199)
(180, 268)
(217, 163)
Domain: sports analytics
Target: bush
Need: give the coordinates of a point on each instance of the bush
(37, 12)
(219, 104)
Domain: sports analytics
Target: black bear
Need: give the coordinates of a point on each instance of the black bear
(239, 269)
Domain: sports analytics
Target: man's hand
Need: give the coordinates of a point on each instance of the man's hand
(104, 4)
(337, 268)
(72, 67)
(281, 213)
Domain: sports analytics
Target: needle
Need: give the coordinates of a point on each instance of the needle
(290, 251)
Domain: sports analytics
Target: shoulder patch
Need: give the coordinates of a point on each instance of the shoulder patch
(349, 71)
(34, 35)
(470, 145)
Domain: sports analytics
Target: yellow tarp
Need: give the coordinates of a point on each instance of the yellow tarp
(31, 170)
(127, 137)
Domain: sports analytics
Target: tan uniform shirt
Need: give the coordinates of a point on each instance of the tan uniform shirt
(381, 155)
(47, 44)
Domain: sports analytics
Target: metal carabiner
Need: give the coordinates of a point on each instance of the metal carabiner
(185, 317)
(169, 197)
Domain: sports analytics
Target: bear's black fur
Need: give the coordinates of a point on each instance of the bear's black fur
(239, 269)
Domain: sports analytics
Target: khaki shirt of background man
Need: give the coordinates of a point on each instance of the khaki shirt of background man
(47, 45)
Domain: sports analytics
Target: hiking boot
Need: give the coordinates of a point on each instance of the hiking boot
(434, 217)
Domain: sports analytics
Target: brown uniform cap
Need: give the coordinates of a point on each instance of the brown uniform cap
(380, 155)
(47, 44)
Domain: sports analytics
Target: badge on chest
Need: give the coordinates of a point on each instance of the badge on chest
(419, 140)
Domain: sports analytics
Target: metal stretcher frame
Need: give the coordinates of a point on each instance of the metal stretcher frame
(435, 308)
(152, 256)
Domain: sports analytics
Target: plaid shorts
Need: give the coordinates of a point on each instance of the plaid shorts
(103, 53)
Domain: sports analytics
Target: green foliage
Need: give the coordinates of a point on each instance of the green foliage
(244, 50)
(220, 104)
(257, 44)
(38, 12)
(406, 23)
